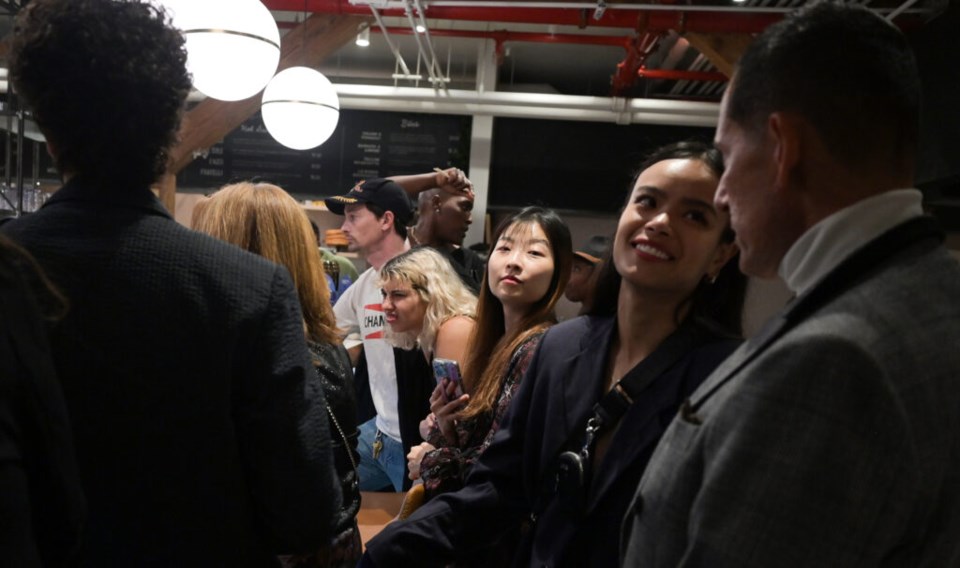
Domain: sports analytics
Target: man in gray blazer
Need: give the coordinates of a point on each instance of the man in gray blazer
(832, 438)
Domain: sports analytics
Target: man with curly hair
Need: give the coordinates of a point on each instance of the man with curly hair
(200, 427)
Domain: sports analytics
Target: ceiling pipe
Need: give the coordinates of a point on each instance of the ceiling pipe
(903, 8)
(529, 105)
(660, 18)
(393, 48)
(599, 7)
(504, 36)
(435, 82)
(628, 69)
(637, 52)
(680, 75)
(429, 41)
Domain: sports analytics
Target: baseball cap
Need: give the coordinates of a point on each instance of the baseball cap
(594, 249)
(382, 192)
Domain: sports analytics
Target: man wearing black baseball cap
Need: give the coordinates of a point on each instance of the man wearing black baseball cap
(384, 194)
(377, 213)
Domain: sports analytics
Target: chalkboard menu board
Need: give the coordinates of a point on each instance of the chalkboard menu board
(366, 144)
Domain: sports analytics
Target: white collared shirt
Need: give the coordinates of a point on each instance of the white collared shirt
(825, 245)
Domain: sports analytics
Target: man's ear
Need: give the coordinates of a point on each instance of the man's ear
(786, 136)
(721, 256)
(435, 202)
(387, 221)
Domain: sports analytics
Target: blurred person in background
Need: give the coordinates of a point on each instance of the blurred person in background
(445, 212)
(582, 275)
(341, 273)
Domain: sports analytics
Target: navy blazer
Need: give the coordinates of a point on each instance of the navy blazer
(199, 423)
(564, 381)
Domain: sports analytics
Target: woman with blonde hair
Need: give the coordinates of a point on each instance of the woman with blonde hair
(426, 305)
(262, 218)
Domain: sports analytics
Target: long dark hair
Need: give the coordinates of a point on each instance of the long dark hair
(720, 303)
(490, 348)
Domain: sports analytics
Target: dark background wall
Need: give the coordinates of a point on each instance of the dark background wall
(937, 47)
(578, 166)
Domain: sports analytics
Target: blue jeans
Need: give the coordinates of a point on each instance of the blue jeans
(387, 468)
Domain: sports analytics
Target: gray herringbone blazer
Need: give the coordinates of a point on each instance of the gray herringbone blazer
(830, 439)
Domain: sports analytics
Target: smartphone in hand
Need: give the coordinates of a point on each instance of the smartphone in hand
(450, 370)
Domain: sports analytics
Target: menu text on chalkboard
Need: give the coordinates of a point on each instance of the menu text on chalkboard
(366, 144)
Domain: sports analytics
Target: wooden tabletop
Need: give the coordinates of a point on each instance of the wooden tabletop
(376, 510)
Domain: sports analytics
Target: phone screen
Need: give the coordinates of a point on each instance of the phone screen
(448, 369)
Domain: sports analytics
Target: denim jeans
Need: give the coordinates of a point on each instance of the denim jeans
(387, 468)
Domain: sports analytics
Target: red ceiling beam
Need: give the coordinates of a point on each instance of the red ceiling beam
(654, 20)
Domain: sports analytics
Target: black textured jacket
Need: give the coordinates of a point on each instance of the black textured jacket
(200, 426)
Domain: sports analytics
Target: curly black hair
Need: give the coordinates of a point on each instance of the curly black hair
(106, 81)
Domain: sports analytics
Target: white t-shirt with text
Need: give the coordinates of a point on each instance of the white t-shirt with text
(360, 315)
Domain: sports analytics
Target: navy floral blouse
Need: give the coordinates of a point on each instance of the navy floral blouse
(445, 468)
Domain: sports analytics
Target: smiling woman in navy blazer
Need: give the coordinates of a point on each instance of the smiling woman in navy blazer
(667, 313)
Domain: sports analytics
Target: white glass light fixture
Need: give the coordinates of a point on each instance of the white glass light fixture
(233, 46)
(363, 38)
(300, 108)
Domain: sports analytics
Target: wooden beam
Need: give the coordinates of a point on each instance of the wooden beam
(723, 50)
(306, 45)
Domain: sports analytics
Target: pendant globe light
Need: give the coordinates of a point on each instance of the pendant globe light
(233, 46)
(300, 108)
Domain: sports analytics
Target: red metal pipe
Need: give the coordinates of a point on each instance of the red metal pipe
(679, 75)
(508, 36)
(656, 21)
(505, 36)
(637, 52)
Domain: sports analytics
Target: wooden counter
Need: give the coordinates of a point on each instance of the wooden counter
(376, 510)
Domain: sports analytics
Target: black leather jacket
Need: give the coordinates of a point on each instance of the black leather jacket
(333, 369)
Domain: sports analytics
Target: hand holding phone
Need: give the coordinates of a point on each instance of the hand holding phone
(442, 404)
(450, 370)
